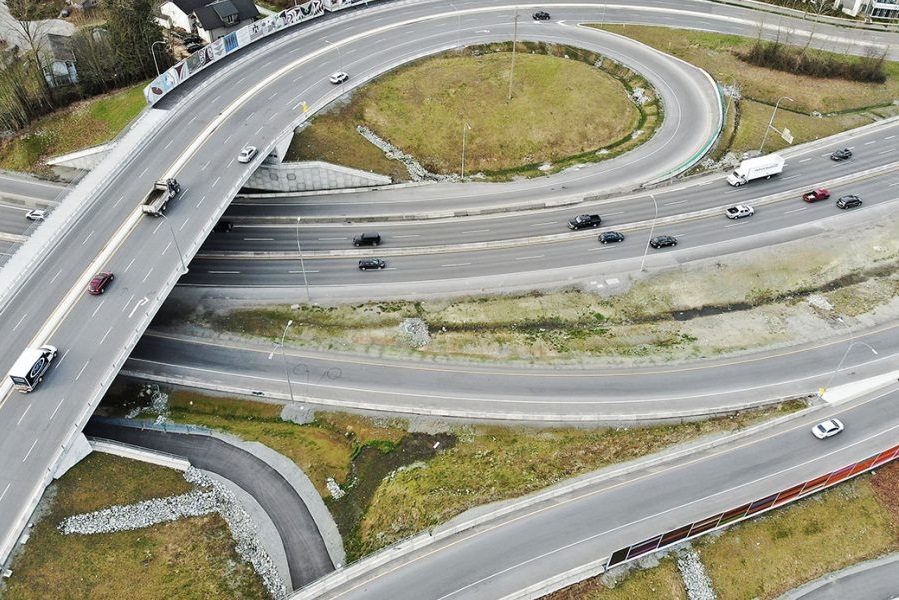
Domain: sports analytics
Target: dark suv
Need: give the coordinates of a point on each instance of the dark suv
(841, 154)
(661, 241)
(541, 15)
(610, 237)
(367, 239)
(369, 264)
(851, 201)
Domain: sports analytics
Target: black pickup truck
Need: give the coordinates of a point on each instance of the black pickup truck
(583, 221)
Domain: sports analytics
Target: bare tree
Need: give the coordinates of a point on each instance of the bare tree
(34, 42)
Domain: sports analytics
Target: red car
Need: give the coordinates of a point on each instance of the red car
(815, 195)
(99, 282)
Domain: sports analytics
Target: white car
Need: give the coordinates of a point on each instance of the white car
(827, 429)
(338, 77)
(247, 154)
(36, 215)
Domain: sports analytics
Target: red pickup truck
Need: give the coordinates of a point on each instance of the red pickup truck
(815, 195)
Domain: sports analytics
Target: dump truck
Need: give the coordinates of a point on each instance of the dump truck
(158, 199)
(756, 168)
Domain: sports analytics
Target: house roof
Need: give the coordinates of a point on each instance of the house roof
(212, 15)
(60, 47)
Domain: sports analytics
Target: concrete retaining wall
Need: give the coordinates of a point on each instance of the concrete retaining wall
(312, 176)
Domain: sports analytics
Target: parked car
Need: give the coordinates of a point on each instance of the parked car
(367, 239)
(850, 201)
(223, 226)
(541, 15)
(610, 237)
(369, 264)
(816, 195)
(828, 428)
(338, 77)
(99, 282)
(193, 47)
(192, 39)
(841, 154)
(582, 221)
(246, 154)
(36, 215)
(662, 241)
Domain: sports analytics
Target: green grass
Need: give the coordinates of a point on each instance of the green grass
(190, 558)
(562, 111)
(76, 127)
(844, 104)
(766, 557)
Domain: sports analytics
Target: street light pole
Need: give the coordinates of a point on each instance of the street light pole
(302, 264)
(651, 230)
(175, 239)
(465, 127)
(514, 43)
(771, 121)
(459, 33)
(339, 55)
(730, 96)
(153, 54)
(284, 358)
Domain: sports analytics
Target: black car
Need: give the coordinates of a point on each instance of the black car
(582, 221)
(541, 15)
(193, 47)
(368, 264)
(610, 237)
(841, 154)
(223, 226)
(661, 241)
(367, 239)
(850, 201)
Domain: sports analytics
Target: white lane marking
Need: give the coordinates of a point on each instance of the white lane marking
(675, 202)
(58, 273)
(892, 184)
(272, 118)
(789, 177)
(795, 210)
(528, 257)
(104, 335)
(20, 321)
(116, 203)
(6, 489)
(192, 120)
(228, 138)
(166, 249)
(158, 225)
(258, 131)
(203, 168)
(184, 224)
(869, 143)
(129, 264)
(124, 306)
(27, 408)
(613, 214)
(259, 239)
(476, 231)
(216, 99)
(805, 160)
(82, 370)
(230, 164)
(224, 272)
(331, 239)
(53, 414)
(456, 265)
(94, 314)
(87, 238)
(29, 451)
(240, 80)
(166, 147)
(144, 172)
(201, 201)
(140, 303)
(889, 137)
(548, 223)
(147, 275)
(705, 183)
(885, 152)
(307, 270)
(217, 179)
(64, 355)
(403, 237)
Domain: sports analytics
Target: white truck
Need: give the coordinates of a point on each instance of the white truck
(756, 168)
(739, 211)
(158, 199)
(29, 368)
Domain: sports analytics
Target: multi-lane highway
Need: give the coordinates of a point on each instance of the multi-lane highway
(196, 133)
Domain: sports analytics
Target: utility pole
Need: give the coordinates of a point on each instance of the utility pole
(514, 43)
